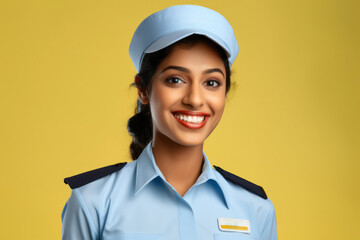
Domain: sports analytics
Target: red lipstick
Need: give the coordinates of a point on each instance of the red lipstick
(191, 113)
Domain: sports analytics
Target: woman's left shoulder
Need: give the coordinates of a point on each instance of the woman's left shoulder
(244, 191)
(249, 200)
(242, 183)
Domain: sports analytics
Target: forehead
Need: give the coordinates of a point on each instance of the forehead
(193, 56)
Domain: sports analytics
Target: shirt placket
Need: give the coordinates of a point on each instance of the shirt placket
(187, 229)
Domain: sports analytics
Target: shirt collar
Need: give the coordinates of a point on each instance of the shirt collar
(209, 174)
(147, 170)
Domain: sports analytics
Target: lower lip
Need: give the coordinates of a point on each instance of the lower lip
(192, 125)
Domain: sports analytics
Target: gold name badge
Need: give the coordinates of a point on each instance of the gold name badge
(234, 225)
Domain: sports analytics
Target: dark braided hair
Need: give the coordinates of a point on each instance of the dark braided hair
(140, 125)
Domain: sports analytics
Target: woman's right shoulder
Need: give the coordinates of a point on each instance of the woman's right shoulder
(91, 197)
(103, 181)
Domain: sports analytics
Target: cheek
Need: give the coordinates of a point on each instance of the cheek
(156, 104)
(163, 96)
(217, 104)
(161, 100)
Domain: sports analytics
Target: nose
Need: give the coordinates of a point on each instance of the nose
(193, 97)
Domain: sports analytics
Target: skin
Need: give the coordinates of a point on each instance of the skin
(191, 77)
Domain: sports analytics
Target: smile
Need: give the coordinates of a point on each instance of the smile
(193, 120)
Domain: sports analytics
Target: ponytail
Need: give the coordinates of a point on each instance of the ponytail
(140, 125)
(140, 128)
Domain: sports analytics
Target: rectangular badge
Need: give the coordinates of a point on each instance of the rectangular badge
(234, 225)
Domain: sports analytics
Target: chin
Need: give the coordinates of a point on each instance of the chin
(191, 143)
(189, 140)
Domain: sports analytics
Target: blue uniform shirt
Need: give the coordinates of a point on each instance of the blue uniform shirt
(138, 203)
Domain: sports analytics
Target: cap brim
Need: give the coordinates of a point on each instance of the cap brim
(175, 36)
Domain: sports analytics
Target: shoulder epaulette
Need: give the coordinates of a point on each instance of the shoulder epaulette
(251, 187)
(88, 177)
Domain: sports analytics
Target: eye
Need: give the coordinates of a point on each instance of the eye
(174, 80)
(212, 83)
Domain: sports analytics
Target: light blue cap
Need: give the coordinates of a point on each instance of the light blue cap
(174, 23)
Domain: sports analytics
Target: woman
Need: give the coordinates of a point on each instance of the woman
(183, 56)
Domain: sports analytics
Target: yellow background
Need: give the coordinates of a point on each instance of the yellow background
(291, 123)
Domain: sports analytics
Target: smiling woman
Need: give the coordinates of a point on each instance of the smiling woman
(171, 191)
(192, 61)
(186, 84)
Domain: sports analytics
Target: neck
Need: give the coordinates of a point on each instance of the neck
(181, 165)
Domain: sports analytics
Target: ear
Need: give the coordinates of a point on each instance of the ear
(142, 92)
(143, 96)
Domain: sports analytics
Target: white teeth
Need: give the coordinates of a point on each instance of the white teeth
(191, 119)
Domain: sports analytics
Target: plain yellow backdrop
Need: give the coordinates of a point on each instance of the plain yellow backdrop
(291, 122)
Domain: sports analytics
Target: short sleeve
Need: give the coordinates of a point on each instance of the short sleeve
(76, 219)
(269, 231)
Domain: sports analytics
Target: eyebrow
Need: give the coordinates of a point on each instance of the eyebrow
(186, 70)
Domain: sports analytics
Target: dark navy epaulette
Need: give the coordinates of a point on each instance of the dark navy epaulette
(251, 187)
(88, 177)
